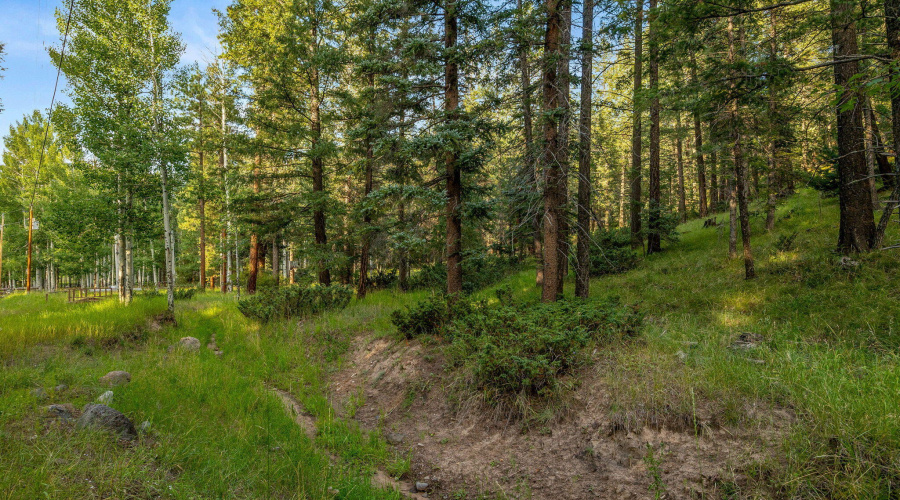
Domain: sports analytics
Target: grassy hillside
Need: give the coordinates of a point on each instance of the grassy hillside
(825, 352)
(828, 348)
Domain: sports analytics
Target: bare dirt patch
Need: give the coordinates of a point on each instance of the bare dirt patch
(465, 448)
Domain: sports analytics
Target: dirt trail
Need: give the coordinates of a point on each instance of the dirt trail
(462, 446)
(308, 424)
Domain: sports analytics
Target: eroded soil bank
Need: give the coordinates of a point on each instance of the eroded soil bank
(465, 449)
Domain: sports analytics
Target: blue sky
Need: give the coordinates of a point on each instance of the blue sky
(27, 27)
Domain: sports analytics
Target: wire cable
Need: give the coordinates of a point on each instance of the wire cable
(62, 58)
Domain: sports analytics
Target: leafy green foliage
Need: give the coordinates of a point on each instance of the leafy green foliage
(479, 271)
(185, 293)
(613, 253)
(519, 348)
(294, 301)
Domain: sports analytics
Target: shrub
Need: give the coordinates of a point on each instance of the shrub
(382, 279)
(185, 293)
(479, 270)
(825, 179)
(430, 316)
(614, 254)
(294, 301)
(518, 348)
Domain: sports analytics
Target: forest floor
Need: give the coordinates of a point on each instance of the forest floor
(784, 386)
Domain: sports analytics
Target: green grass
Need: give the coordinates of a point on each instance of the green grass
(829, 356)
(36, 318)
(829, 352)
(217, 429)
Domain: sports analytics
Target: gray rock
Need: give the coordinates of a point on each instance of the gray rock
(106, 398)
(394, 438)
(145, 427)
(62, 412)
(60, 387)
(115, 378)
(103, 417)
(421, 486)
(39, 393)
(190, 344)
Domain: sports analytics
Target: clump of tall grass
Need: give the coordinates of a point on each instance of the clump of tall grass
(26, 320)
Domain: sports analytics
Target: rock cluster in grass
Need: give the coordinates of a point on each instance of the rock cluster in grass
(189, 344)
(115, 378)
(102, 417)
(106, 398)
(63, 412)
(212, 346)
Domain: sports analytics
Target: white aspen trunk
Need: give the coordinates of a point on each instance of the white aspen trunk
(129, 270)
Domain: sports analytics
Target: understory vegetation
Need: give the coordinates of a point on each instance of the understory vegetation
(518, 348)
(820, 372)
(294, 301)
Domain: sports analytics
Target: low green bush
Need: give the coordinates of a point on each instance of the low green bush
(613, 254)
(294, 301)
(185, 293)
(518, 348)
(479, 271)
(382, 279)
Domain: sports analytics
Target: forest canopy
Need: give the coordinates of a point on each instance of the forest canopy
(380, 143)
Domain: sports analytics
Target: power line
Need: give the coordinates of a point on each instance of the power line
(62, 58)
(37, 175)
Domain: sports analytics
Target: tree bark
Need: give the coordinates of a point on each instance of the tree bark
(774, 130)
(201, 195)
(318, 173)
(857, 219)
(637, 239)
(367, 216)
(698, 148)
(528, 156)
(740, 170)
(254, 238)
(654, 238)
(892, 27)
(679, 165)
(562, 267)
(451, 158)
(583, 250)
(551, 153)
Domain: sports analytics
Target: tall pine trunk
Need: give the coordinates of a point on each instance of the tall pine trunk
(367, 216)
(583, 250)
(201, 195)
(254, 238)
(698, 148)
(679, 165)
(857, 219)
(318, 174)
(637, 239)
(654, 238)
(892, 26)
(528, 157)
(562, 267)
(552, 152)
(451, 157)
(740, 168)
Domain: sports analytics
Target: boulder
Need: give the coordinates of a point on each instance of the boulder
(97, 416)
(394, 438)
(190, 344)
(64, 412)
(115, 378)
(106, 398)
